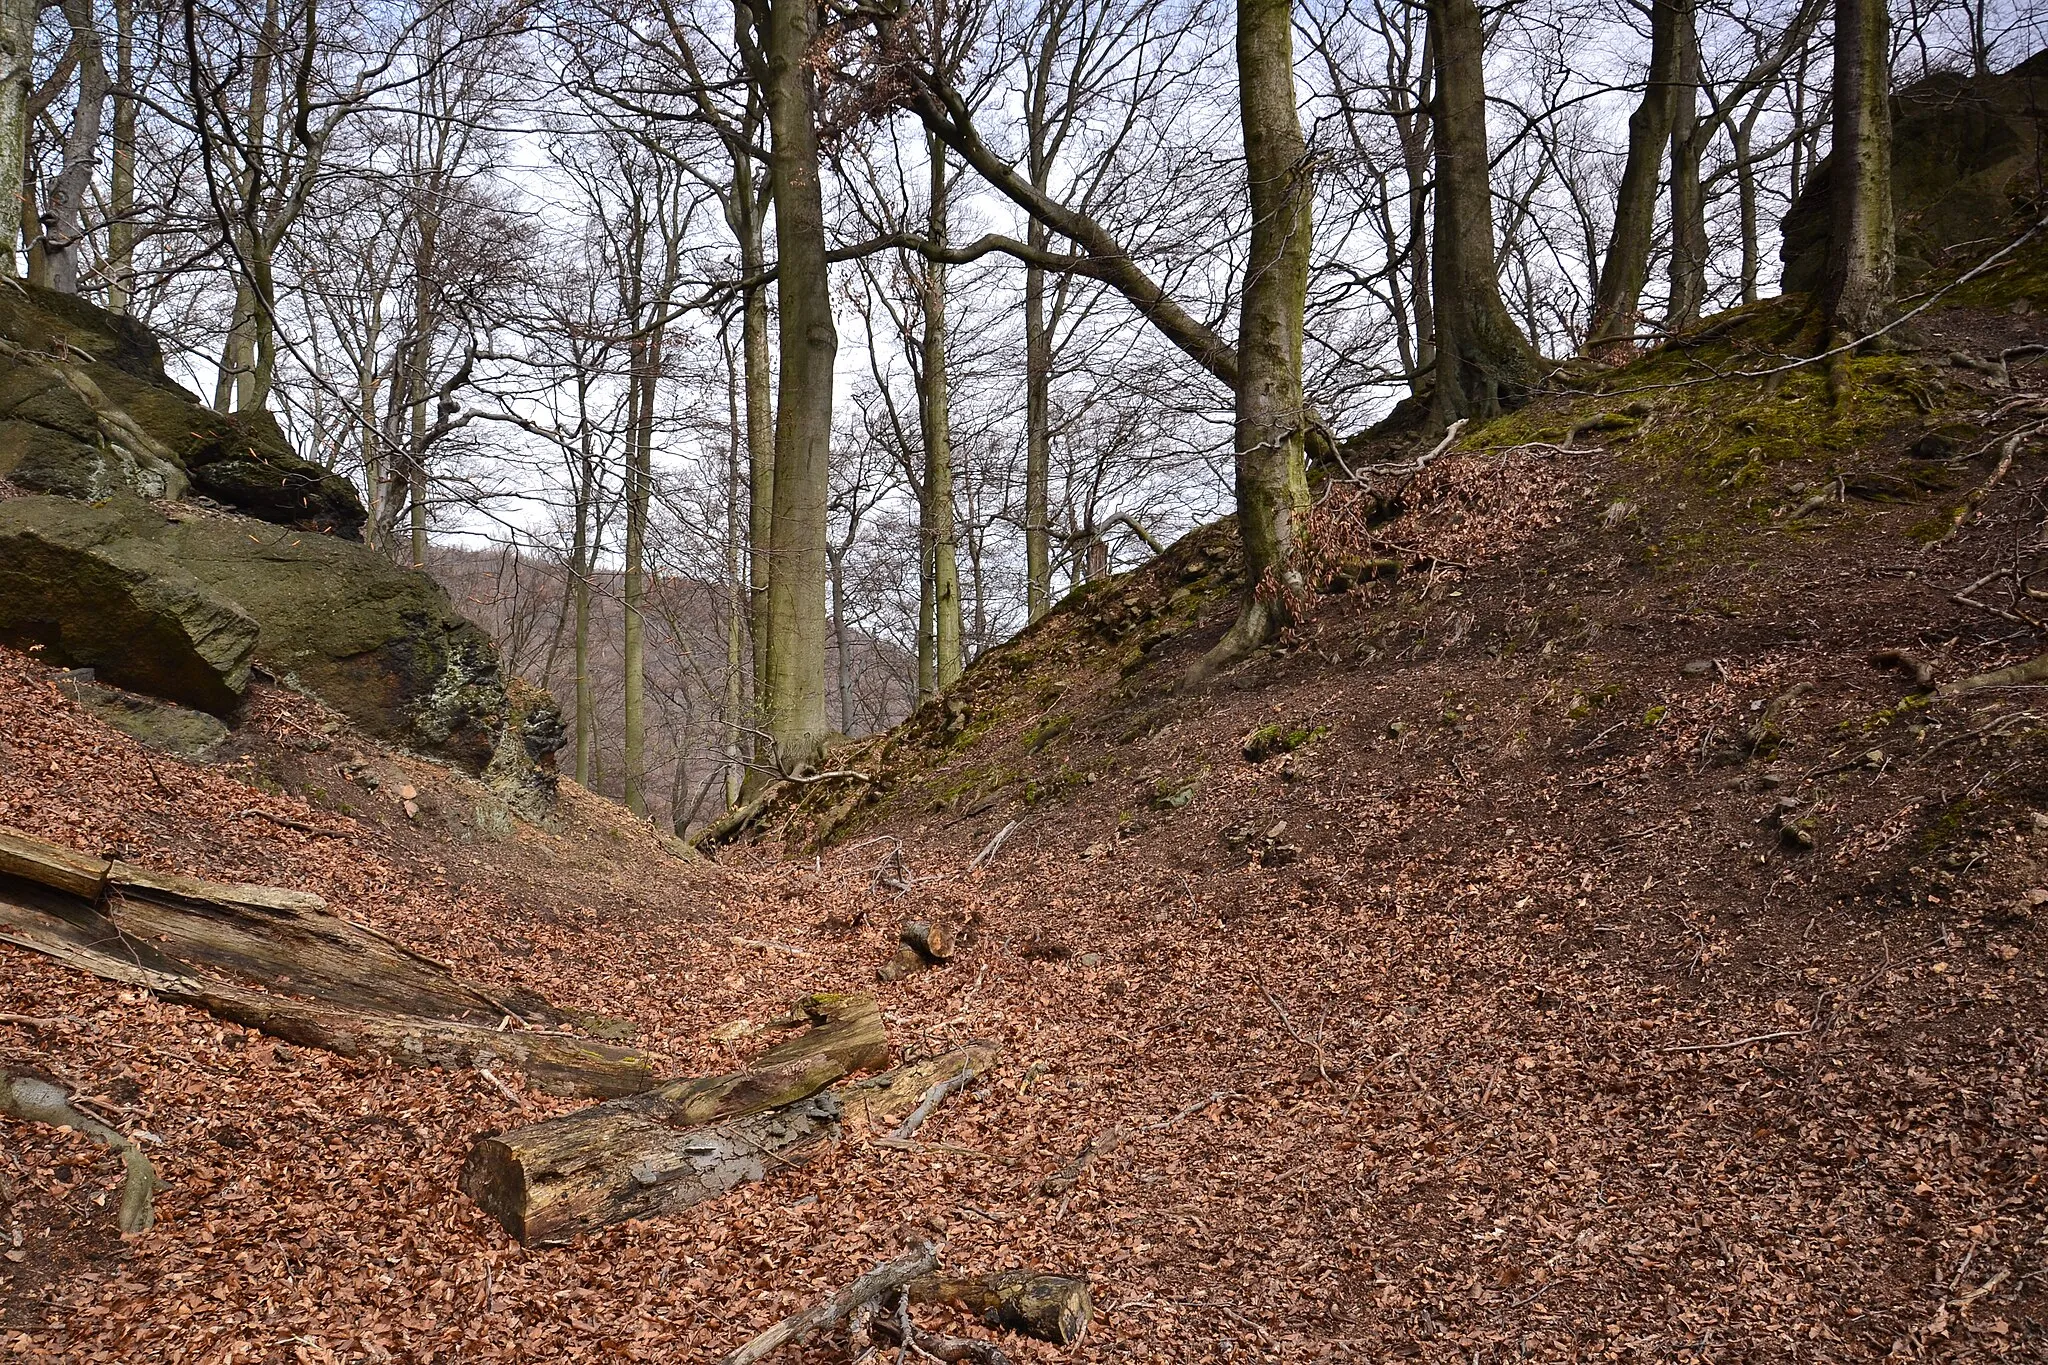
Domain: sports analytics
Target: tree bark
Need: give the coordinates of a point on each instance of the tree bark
(937, 420)
(1625, 269)
(794, 690)
(639, 491)
(63, 235)
(279, 961)
(1483, 363)
(121, 183)
(1688, 203)
(1055, 1308)
(17, 59)
(1037, 436)
(1862, 246)
(1272, 480)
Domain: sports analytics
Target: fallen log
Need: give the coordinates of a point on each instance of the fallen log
(35, 1099)
(280, 961)
(547, 1181)
(1055, 1308)
(885, 1279)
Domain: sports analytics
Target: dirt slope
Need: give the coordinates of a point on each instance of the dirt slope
(1500, 1010)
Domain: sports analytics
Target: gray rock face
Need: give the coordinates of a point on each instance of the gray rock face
(166, 726)
(178, 604)
(110, 562)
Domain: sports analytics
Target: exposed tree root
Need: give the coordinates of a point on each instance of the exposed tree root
(36, 1100)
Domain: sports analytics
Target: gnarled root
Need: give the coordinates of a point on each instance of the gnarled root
(36, 1100)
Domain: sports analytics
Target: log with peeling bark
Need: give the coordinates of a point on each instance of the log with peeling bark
(548, 1181)
(282, 962)
(1055, 1308)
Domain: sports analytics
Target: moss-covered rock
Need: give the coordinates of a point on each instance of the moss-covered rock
(179, 730)
(87, 411)
(177, 604)
(1964, 151)
(82, 583)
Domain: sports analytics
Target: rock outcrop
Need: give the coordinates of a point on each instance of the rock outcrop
(87, 411)
(173, 550)
(1965, 166)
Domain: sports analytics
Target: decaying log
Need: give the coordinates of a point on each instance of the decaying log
(1056, 1308)
(37, 1100)
(887, 1278)
(550, 1180)
(280, 961)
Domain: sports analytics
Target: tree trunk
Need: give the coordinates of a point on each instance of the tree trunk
(121, 185)
(639, 489)
(1626, 267)
(1413, 127)
(1272, 481)
(1862, 248)
(937, 421)
(842, 654)
(1688, 203)
(64, 234)
(1483, 362)
(736, 603)
(927, 660)
(794, 690)
(17, 59)
(760, 417)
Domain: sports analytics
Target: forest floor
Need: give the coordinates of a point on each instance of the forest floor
(1570, 947)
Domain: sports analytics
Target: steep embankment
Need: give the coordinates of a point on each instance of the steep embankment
(1571, 946)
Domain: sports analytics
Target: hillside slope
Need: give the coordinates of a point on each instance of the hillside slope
(1571, 946)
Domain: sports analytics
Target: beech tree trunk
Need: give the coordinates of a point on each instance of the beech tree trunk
(1272, 480)
(121, 182)
(1037, 436)
(17, 57)
(794, 691)
(937, 419)
(1688, 202)
(1483, 362)
(1862, 246)
(639, 492)
(73, 184)
(1626, 267)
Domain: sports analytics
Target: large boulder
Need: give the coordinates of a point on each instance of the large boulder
(87, 411)
(178, 602)
(1964, 164)
(82, 583)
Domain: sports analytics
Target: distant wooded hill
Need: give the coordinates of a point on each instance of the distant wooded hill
(527, 606)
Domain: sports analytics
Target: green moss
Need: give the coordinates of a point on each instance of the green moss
(1268, 740)
(1045, 732)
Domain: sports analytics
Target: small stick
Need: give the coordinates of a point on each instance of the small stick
(931, 1100)
(983, 858)
(1739, 1042)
